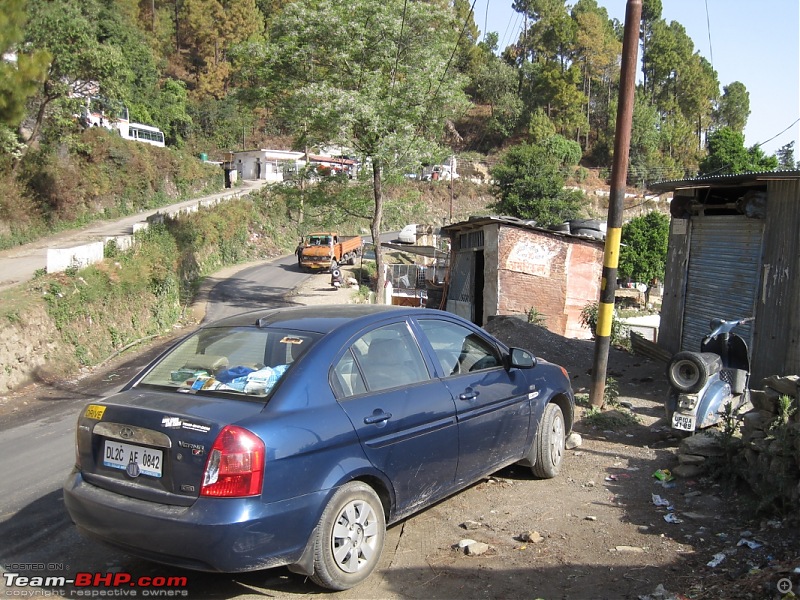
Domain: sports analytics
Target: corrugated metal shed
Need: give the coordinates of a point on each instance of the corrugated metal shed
(734, 251)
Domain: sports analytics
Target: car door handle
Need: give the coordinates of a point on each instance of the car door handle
(468, 394)
(377, 417)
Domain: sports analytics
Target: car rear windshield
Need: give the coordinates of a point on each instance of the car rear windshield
(237, 360)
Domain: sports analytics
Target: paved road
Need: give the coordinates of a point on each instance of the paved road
(19, 264)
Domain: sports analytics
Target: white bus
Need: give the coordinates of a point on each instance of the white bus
(98, 112)
(141, 133)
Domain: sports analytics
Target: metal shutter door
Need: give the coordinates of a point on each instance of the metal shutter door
(723, 275)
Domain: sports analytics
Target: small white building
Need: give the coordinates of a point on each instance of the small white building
(266, 165)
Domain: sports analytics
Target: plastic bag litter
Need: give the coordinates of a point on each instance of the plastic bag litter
(659, 501)
(663, 475)
(714, 562)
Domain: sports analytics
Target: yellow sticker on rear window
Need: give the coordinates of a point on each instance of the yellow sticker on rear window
(94, 411)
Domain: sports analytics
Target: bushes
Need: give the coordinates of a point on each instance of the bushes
(102, 308)
(92, 175)
(589, 317)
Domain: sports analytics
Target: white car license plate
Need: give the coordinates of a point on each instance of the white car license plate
(119, 455)
(683, 422)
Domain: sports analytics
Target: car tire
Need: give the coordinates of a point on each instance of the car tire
(349, 538)
(560, 227)
(549, 443)
(688, 372)
(591, 224)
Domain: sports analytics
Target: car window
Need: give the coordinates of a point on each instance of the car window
(459, 349)
(347, 380)
(380, 359)
(230, 359)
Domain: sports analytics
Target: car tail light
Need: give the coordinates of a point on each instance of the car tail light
(235, 465)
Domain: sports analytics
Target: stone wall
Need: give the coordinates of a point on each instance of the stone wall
(770, 456)
(27, 345)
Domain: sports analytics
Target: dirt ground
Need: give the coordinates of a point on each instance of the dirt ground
(595, 531)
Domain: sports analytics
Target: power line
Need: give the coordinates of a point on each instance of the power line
(708, 25)
(777, 135)
(486, 20)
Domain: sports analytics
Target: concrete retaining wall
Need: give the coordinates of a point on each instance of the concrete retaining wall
(61, 259)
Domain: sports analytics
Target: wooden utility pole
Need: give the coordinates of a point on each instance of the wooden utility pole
(619, 171)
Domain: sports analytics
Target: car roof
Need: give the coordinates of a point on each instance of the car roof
(319, 318)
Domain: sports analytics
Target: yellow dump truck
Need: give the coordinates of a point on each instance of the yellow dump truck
(328, 250)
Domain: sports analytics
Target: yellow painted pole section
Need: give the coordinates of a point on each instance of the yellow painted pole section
(605, 312)
(613, 237)
(605, 316)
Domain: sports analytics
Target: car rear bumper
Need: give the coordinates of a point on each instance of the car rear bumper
(214, 534)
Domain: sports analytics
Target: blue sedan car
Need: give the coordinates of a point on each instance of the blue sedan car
(294, 436)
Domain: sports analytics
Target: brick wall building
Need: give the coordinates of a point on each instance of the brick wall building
(506, 266)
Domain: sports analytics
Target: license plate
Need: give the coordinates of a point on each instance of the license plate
(119, 455)
(683, 422)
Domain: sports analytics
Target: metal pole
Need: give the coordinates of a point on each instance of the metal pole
(622, 142)
(452, 192)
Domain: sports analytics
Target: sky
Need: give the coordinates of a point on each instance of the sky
(751, 41)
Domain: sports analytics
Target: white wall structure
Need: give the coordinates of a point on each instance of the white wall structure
(61, 259)
(266, 165)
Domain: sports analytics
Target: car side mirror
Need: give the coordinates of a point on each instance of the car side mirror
(521, 359)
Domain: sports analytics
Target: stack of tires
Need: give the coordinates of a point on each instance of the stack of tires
(592, 228)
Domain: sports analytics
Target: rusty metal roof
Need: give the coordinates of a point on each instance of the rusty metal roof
(738, 180)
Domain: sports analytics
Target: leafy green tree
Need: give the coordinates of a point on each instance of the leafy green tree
(645, 156)
(651, 14)
(551, 32)
(540, 127)
(733, 107)
(727, 155)
(529, 180)
(468, 57)
(496, 85)
(81, 65)
(19, 78)
(170, 110)
(559, 91)
(696, 91)
(210, 28)
(599, 50)
(220, 122)
(679, 77)
(372, 76)
(643, 252)
(785, 156)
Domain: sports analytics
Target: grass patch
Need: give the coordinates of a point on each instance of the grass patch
(616, 418)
